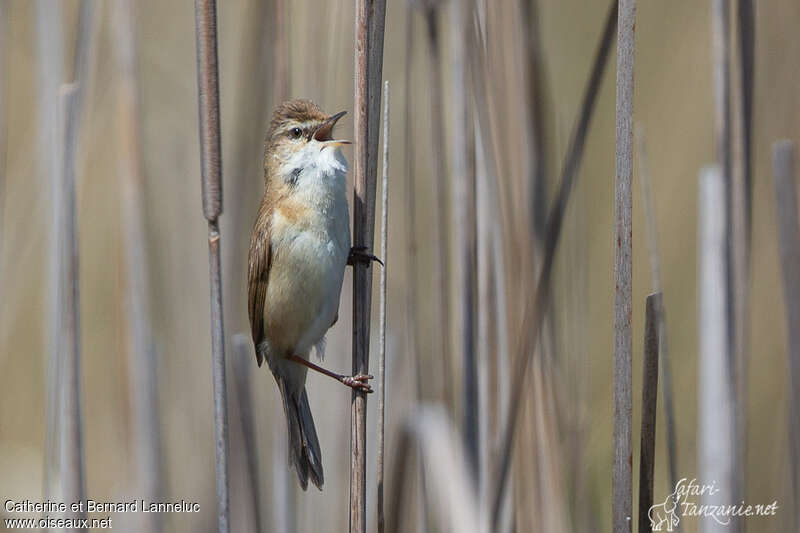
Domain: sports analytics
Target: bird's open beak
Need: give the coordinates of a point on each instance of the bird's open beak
(323, 133)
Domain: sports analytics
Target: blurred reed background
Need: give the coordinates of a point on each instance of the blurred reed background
(485, 98)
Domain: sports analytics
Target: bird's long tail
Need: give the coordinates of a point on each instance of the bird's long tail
(304, 453)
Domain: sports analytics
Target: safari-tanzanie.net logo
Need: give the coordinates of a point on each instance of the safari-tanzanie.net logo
(692, 499)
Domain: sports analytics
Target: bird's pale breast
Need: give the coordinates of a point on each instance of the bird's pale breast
(310, 241)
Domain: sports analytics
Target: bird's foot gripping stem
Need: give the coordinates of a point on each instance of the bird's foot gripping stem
(361, 255)
(357, 382)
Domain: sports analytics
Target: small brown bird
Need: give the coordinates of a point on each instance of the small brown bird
(299, 248)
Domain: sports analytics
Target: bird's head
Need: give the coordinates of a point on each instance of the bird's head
(299, 131)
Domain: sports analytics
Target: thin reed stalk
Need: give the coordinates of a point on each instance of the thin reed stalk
(369, 27)
(462, 153)
(720, 47)
(211, 167)
(740, 227)
(647, 452)
(73, 474)
(382, 335)
(410, 190)
(412, 245)
(622, 484)
(72, 464)
(736, 270)
(142, 364)
(785, 173)
(486, 319)
(716, 419)
(83, 51)
(440, 240)
(663, 337)
(284, 503)
(535, 95)
(49, 46)
(490, 268)
(535, 305)
(242, 366)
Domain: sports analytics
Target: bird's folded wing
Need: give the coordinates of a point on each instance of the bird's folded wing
(258, 277)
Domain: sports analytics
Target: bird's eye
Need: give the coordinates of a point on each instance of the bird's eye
(295, 133)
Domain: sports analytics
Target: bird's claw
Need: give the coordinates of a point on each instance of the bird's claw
(358, 382)
(360, 254)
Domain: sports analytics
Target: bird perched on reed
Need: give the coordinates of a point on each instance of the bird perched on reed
(299, 248)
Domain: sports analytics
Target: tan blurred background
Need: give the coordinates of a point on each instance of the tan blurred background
(673, 104)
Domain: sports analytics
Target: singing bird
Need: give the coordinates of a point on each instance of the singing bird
(299, 248)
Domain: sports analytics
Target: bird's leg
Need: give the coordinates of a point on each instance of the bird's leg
(358, 382)
(360, 254)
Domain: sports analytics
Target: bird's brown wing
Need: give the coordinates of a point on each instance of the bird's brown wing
(258, 266)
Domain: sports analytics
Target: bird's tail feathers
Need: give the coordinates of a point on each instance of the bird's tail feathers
(304, 452)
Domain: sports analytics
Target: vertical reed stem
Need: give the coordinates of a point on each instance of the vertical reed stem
(49, 46)
(649, 405)
(73, 479)
(463, 190)
(439, 230)
(370, 19)
(382, 341)
(410, 211)
(715, 389)
(663, 338)
(622, 485)
(211, 166)
(242, 365)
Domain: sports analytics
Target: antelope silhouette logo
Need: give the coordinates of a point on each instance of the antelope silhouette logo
(665, 513)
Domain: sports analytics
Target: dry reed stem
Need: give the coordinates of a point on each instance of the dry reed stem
(491, 277)
(242, 365)
(490, 265)
(622, 484)
(647, 450)
(209, 121)
(439, 230)
(663, 337)
(142, 365)
(370, 20)
(412, 289)
(382, 335)
(736, 270)
(535, 94)
(412, 284)
(49, 47)
(716, 420)
(485, 323)
(463, 203)
(73, 476)
(785, 173)
(284, 502)
(741, 221)
(746, 27)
